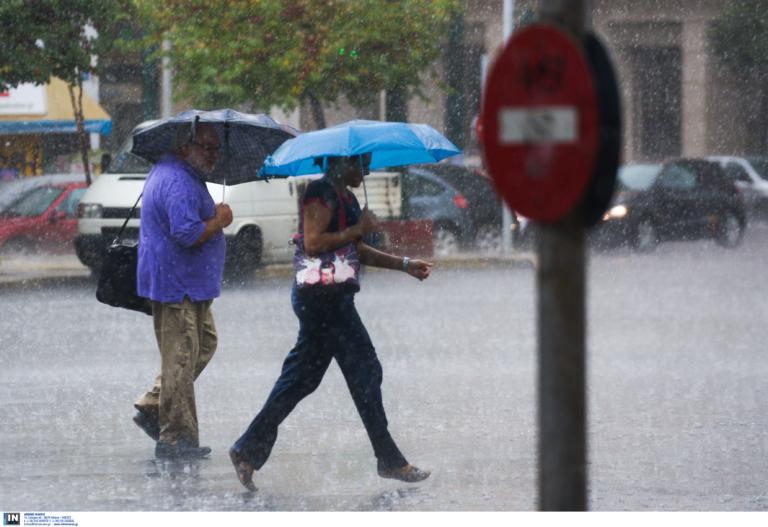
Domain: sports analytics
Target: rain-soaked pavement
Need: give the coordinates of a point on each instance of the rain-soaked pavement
(677, 388)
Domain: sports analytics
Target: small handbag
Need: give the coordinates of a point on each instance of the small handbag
(117, 281)
(338, 268)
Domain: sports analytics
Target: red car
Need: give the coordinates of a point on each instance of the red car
(42, 219)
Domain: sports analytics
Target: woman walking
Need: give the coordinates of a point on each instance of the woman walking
(329, 252)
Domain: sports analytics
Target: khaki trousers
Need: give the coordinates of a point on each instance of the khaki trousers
(186, 336)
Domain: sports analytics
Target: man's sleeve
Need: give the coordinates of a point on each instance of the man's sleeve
(183, 206)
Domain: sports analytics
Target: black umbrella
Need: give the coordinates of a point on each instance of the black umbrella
(246, 140)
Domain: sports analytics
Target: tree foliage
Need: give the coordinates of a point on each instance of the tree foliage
(61, 38)
(275, 53)
(739, 35)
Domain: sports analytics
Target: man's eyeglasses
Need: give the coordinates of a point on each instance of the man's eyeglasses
(209, 147)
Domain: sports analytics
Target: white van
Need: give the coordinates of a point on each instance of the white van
(265, 214)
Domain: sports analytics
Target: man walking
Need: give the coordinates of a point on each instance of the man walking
(181, 262)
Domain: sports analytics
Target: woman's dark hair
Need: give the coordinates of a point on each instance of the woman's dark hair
(319, 160)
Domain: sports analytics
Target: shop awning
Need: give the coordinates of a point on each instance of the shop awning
(58, 118)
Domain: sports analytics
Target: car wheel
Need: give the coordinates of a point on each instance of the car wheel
(730, 230)
(489, 239)
(445, 241)
(244, 253)
(645, 237)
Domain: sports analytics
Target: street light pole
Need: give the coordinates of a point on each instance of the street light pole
(166, 102)
(561, 333)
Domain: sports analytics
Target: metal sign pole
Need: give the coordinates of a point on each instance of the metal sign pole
(561, 334)
(508, 14)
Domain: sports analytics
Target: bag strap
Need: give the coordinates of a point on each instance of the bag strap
(130, 214)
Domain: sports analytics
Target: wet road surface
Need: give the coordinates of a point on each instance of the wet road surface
(676, 372)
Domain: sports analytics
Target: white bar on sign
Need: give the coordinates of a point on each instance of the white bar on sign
(545, 124)
(24, 99)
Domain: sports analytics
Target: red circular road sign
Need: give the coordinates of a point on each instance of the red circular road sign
(540, 123)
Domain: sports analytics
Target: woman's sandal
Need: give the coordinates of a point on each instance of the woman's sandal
(243, 469)
(408, 473)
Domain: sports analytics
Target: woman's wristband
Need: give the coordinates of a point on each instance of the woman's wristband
(406, 261)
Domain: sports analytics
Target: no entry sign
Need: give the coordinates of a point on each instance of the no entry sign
(540, 123)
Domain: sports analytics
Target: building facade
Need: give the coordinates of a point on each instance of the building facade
(679, 99)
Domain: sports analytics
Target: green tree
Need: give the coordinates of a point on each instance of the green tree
(61, 38)
(275, 53)
(739, 37)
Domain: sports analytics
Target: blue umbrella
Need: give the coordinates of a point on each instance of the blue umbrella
(246, 140)
(390, 144)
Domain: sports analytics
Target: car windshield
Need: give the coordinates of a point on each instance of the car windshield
(760, 165)
(638, 177)
(127, 163)
(69, 205)
(464, 180)
(34, 203)
(13, 190)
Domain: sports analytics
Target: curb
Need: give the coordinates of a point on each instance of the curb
(42, 281)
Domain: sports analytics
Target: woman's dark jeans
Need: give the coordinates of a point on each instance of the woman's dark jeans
(329, 328)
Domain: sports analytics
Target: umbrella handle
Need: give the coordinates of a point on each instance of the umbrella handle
(226, 153)
(362, 177)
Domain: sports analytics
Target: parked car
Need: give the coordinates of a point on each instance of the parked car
(751, 177)
(460, 202)
(685, 199)
(41, 219)
(629, 180)
(11, 191)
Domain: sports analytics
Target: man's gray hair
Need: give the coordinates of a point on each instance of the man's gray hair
(184, 135)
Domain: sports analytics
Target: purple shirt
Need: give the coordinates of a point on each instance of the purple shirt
(174, 208)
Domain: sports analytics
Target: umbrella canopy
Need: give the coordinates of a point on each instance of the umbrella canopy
(246, 139)
(390, 144)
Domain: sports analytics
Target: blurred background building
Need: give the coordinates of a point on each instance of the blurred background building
(38, 131)
(680, 98)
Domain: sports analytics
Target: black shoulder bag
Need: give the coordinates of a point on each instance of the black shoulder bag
(117, 281)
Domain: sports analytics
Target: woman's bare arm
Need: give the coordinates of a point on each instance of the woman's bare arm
(375, 258)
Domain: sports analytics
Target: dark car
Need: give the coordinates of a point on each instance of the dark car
(686, 199)
(460, 202)
(41, 219)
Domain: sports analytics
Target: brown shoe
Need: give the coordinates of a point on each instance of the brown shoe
(243, 469)
(147, 421)
(408, 473)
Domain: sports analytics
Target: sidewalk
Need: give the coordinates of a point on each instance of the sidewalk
(21, 270)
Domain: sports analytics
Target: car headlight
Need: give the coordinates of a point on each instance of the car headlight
(89, 210)
(616, 212)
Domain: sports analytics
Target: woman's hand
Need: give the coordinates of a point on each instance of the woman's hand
(419, 269)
